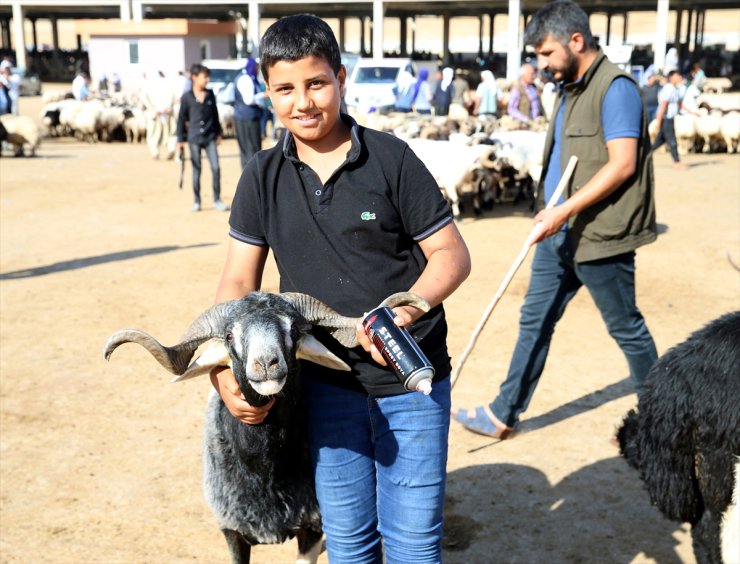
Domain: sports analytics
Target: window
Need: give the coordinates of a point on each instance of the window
(133, 52)
(205, 49)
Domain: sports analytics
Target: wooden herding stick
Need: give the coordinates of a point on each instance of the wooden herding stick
(514, 267)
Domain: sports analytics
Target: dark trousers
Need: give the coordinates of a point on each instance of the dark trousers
(555, 279)
(667, 134)
(212, 154)
(249, 138)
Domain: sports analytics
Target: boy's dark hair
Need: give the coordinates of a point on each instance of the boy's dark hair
(197, 68)
(671, 73)
(560, 20)
(295, 37)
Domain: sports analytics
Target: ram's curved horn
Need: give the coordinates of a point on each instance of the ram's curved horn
(406, 298)
(316, 312)
(176, 359)
(343, 328)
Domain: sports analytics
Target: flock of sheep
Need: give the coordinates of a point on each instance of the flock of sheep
(712, 131)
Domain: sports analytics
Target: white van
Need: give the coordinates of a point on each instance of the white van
(372, 83)
(223, 73)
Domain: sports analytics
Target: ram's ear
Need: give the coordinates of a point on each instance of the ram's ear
(310, 348)
(215, 355)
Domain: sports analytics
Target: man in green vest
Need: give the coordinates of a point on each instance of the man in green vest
(588, 239)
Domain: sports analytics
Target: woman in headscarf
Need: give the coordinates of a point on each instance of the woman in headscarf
(443, 93)
(422, 94)
(486, 95)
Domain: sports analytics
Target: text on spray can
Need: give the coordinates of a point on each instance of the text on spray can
(399, 350)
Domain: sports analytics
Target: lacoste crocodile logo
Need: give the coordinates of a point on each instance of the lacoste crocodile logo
(367, 216)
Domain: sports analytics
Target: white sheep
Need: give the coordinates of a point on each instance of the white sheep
(730, 130)
(22, 130)
(134, 125)
(451, 165)
(226, 118)
(686, 136)
(708, 128)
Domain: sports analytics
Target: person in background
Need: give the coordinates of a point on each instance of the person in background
(669, 104)
(524, 100)
(199, 126)
(461, 102)
(378, 451)
(183, 84)
(81, 86)
(486, 95)
(248, 111)
(422, 96)
(698, 77)
(650, 93)
(689, 94)
(12, 83)
(671, 61)
(405, 92)
(443, 92)
(159, 102)
(589, 238)
(6, 105)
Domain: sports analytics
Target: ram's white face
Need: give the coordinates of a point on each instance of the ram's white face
(262, 346)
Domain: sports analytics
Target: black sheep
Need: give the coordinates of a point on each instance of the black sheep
(684, 437)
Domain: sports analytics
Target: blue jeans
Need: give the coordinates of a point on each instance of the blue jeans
(554, 281)
(212, 154)
(667, 134)
(380, 470)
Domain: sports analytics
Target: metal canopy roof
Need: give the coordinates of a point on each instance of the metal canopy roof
(224, 11)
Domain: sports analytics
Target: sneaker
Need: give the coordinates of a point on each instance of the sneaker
(196, 207)
(220, 206)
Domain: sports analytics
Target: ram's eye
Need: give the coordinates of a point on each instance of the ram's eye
(229, 338)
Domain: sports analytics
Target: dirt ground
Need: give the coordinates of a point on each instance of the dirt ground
(100, 462)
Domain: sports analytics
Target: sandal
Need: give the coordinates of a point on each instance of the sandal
(479, 421)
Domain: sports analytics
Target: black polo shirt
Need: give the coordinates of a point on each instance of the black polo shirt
(350, 242)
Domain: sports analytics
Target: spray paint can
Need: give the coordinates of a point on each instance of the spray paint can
(399, 350)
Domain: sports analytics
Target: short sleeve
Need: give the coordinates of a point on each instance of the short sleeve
(621, 110)
(245, 221)
(423, 209)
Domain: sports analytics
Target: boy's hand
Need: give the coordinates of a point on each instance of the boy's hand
(223, 380)
(404, 316)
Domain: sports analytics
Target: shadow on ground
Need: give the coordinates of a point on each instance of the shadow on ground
(75, 264)
(600, 513)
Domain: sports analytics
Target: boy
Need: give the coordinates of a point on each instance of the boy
(198, 121)
(351, 216)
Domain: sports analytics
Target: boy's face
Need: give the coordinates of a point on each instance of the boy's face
(201, 79)
(306, 96)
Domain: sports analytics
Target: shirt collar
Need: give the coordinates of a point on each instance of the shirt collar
(290, 152)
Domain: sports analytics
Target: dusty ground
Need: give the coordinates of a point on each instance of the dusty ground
(100, 462)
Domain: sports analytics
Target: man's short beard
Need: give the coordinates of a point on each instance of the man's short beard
(571, 67)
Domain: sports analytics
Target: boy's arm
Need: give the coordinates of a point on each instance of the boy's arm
(182, 117)
(217, 122)
(242, 274)
(448, 265)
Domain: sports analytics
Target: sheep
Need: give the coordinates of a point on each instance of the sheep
(257, 478)
(684, 437)
(226, 118)
(451, 165)
(708, 126)
(685, 128)
(730, 130)
(134, 125)
(21, 130)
